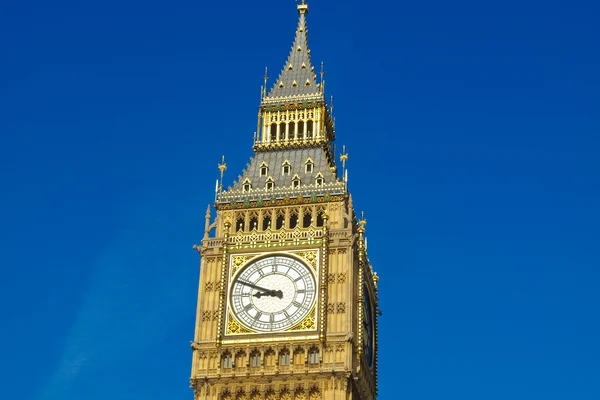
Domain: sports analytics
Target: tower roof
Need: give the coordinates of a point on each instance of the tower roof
(297, 78)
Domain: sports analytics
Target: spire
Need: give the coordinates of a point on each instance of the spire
(297, 77)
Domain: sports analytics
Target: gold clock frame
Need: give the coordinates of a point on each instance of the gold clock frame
(311, 257)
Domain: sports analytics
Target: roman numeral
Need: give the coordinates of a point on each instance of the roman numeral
(248, 307)
(258, 315)
(301, 291)
(297, 304)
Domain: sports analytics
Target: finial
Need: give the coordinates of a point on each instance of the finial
(303, 7)
(362, 221)
(331, 105)
(222, 168)
(322, 73)
(344, 157)
(265, 79)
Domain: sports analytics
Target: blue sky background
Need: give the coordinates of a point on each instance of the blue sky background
(473, 133)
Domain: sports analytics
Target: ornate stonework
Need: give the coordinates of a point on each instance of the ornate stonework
(290, 202)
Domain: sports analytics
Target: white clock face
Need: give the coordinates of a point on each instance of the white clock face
(273, 293)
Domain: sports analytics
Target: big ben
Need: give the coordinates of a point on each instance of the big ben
(287, 299)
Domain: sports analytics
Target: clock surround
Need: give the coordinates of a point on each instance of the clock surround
(306, 320)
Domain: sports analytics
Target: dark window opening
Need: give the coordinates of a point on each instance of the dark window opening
(273, 132)
(309, 130)
(286, 169)
(306, 220)
(293, 221)
(296, 183)
(279, 222)
(269, 186)
(266, 222)
(282, 131)
(301, 130)
(292, 130)
(254, 223)
(239, 224)
(309, 168)
(264, 171)
(320, 220)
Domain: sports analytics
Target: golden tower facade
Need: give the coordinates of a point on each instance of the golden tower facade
(287, 300)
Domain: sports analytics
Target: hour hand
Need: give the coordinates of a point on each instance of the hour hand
(272, 293)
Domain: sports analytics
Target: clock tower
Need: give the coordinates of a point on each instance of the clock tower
(287, 301)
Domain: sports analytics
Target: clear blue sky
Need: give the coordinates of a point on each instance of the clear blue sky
(473, 132)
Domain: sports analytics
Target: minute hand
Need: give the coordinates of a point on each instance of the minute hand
(256, 287)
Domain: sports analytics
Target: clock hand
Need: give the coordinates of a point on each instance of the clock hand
(254, 286)
(272, 293)
(269, 292)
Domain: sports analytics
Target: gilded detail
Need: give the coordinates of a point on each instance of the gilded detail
(284, 265)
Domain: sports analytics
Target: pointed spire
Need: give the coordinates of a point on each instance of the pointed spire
(298, 67)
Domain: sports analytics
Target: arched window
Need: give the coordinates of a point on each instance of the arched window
(284, 357)
(266, 221)
(313, 356)
(300, 130)
(264, 169)
(282, 131)
(253, 221)
(292, 130)
(255, 359)
(309, 166)
(309, 130)
(320, 219)
(280, 221)
(247, 185)
(286, 168)
(270, 183)
(299, 356)
(273, 132)
(226, 360)
(307, 219)
(296, 182)
(270, 359)
(293, 219)
(240, 359)
(319, 180)
(239, 223)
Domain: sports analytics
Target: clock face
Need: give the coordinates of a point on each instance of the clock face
(273, 293)
(368, 328)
